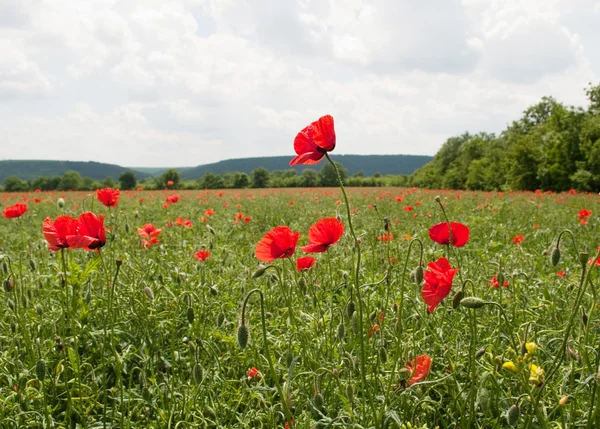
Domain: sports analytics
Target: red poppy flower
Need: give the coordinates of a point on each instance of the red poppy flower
(518, 239)
(438, 282)
(441, 234)
(12, 212)
(90, 232)
(172, 199)
(494, 282)
(305, 263)
(280, 242)
(148, 231)
(108, 196)
(388, 236)
(247, 219)
(419, 368)
(584, 214)
(56, 233)
(209, 212)
(170, 183)
(202, 255)
(560, 273)
(323, 234)
(313, 141)
(253, 373)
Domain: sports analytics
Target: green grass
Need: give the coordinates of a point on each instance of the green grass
(135, 337)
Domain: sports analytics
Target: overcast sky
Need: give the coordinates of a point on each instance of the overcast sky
(188, 82)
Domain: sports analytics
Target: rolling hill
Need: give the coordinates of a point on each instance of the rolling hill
(368, 164)
(32, 169)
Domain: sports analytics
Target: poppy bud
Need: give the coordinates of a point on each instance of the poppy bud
(583, 258)
(354, 323)
(242, 336)
(190, 315)
(211, 230)
(437, 198)
(60, 203)
(32, 264)
(11, 304)
(555, 256)
(13, 326)
(338, 217)
(198, 373)
(383, 354)
(413, 276)
(341, 332)
(419, 274)
(220, 319)
(350, 393)
(350, 308)
(373, 315)
(512, 416)
(457, 299)
(127, 227)
(483, 398)
(500, 278)
(4, 266)
(386, 223)
(318, 405)
(480, 353)
(289, 357)
(259, 271)
(39, 310)
(584, 317)
(302, 284)
(191, 347)
(149, 293)
(213, 291)
(472, 302)
(88, 296)
(209, 412)
(40, 370)
(8, 285)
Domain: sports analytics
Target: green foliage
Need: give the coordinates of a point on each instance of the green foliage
(14, 184)
(171, 175)
(71, 181)
(260, 178)
(128, 181)
(211, 181)
(328, 176)
(551, 147)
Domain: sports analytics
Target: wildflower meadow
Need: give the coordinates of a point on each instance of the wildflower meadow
(305, 308)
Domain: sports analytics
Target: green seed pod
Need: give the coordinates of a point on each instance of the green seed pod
(480, 353)
(350, 393)
(350, 308)
(213, 291)
(209, 412)
(457, 298)
(341, 331)
(354, 323)
(302, 285)
(259, 271)
(419, 274)
(32, 264)
(483, 399)
(555, 257)
(149, 293)
(242, 336)
(220, 319)
(191, 347)
(513, 414)
(211, 230)
(584, 317)
(40, 370)
(289, 357)
(13, 326)
(383, 354)
(127, 227)
(472, 302)
(190, 315)
(4, 266)
(8, 285)
(11, 304)
(60, 203)
(583, 258)
(198, 373)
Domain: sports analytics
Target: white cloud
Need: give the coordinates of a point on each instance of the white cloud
(185, 82)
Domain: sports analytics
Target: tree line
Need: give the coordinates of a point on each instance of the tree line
(171, 179)
(551, 147)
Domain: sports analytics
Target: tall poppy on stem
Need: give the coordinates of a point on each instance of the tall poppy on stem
(14, 211)
(90, 233)
(149, 231)
(305, 263)
(56, 233)
(438, 282)
(108, 196)
(280, 242)
(440, 233)
(314, 140)
(419, 368)
(323, 234)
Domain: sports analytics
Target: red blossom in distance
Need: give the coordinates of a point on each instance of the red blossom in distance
(280, 242)
(440, 233)
(314, 141)
(108, 196)
(323, 234)
(518, 239)
(202, 255)
(438, 282)
(494, 282)
(14, 211)
(304, 263)
(148, 231)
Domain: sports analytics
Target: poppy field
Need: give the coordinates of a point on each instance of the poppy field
(336, 307)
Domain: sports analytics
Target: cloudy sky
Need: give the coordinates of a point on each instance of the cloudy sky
(188, 82)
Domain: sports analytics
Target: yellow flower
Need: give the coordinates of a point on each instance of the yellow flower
(532, 348)
(536, 374)
(510, 366)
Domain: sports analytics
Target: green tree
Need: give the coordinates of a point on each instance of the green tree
(211, 181)
(171, 175)
(309, 178)
(15, 184)
(328, 176)
(108, 182)
(127, 180)
(71, 181)
(260, 177)
(241, 180)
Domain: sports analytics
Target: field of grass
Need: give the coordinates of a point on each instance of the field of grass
(135, 335)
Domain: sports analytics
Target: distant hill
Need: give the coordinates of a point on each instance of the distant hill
(368, 164)
(157, 171)
(32, 169)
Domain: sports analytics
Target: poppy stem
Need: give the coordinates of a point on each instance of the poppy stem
(286, 409)
(363, 369)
